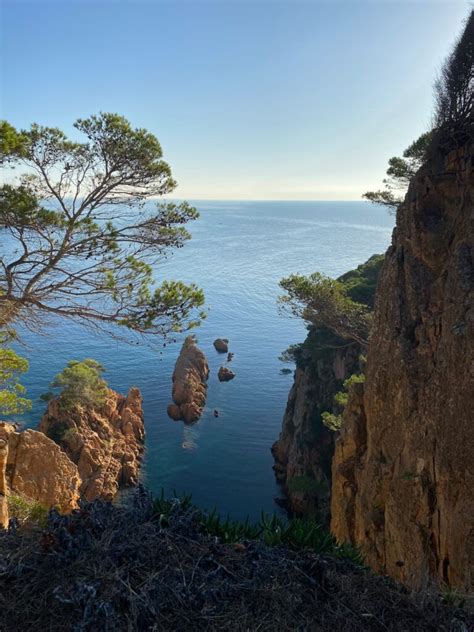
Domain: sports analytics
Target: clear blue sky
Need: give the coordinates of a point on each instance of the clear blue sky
(250, 99)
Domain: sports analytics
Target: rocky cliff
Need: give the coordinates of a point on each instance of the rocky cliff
(36, 468)
(304, 450)
(403, 472)
(106, 443)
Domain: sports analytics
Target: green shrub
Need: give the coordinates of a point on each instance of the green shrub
(452, 597)
(333, 420)
(27, 511)
(80, 383)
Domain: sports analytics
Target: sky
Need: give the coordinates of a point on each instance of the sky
(260, 99)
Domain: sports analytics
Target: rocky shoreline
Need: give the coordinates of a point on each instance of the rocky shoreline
(82, 452)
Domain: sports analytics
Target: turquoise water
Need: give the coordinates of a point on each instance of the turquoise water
(238, 253)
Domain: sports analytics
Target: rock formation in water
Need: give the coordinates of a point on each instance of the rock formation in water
(225, 374)
(221, 345)
(403, 472)
(305, 447)
(106, 443)
(189, 383)
(37, 469)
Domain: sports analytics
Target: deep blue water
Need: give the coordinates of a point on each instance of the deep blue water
(238, 254)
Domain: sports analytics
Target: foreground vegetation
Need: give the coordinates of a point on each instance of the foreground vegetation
(159, 565)
(296, 533)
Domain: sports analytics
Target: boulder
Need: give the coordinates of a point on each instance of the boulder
(221, 345)
(225, 374)
(189, 383)
(36, 468)
(174, 412)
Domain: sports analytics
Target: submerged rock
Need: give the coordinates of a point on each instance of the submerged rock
(221, 345)
(225, 374)
(189, 383)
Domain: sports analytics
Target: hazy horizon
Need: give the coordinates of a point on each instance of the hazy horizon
(268, 100)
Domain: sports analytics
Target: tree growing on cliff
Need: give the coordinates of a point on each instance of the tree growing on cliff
(453, 121)
(400, 171)
(80, 240)
(454, 92)
(323, 301)
(343, 305)
(80, 383)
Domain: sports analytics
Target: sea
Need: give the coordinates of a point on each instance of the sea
(238, 253)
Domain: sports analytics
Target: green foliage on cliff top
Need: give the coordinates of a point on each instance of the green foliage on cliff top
(361, 283)
(454, 93)
(80, 383)
(400, 171)
(338, 310)
(12, 400)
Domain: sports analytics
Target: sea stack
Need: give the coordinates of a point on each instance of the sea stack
(189, 383)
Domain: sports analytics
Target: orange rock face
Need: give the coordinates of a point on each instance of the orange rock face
(37, 469)
(106, 443)
(403, 471)
(189, 383)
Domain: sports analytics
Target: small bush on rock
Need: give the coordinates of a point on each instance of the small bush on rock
(81, 383)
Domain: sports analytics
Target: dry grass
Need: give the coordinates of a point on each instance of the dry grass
(108, 568)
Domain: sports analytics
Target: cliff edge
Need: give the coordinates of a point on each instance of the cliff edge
(403, 471)
(304, 450)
